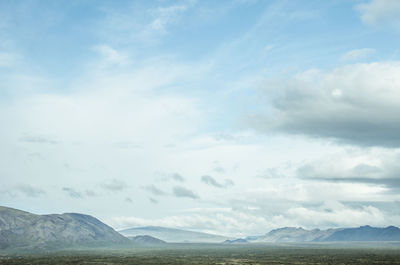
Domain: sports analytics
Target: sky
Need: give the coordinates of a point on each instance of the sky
(229, 117)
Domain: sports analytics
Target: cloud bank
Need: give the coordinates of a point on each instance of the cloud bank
(356, 104)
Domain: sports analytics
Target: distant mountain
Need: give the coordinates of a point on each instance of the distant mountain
(363, 233)
(236, 241)
(173, 235)
(293, 234)
(366, 233)
(147, 240)
(27, 230)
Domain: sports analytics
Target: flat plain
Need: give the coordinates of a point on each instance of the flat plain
(218, 254)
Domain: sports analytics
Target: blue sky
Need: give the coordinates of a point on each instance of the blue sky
(204, 115)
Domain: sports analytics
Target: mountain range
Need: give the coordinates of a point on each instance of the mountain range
(173, 235)
(24, 230)
(362, 233)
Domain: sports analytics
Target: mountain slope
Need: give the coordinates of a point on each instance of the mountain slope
(23, 229)
(173, 235)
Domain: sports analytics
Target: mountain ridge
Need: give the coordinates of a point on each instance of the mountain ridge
(352, 234)
(173, 235)
(27, 230)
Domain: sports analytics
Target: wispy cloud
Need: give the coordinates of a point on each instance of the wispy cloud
(79, 194)
(212, 182)
(154, 190)
(152, 200)
(164, 16)
(110, 56)
(177, 177)
(115, 185)
(152, 23)
(164, 177)
(357, 54)
(183, 192)
(30, 191)
(73, 193)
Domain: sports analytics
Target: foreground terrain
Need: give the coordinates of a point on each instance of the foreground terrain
(219, 254)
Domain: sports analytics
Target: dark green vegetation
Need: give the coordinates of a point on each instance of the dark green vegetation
(222, 254)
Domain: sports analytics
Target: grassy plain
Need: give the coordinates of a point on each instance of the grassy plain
(220, 254)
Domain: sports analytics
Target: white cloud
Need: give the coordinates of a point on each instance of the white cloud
(357, 54)
(377, 12)
(238, 223)
(110, 56)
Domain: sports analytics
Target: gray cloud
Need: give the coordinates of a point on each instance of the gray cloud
(154, 190)
(71, 192)
(393, 183)
(115, 185)
(30, 191)
(38, 140)
(180, 191)
(271, 173)
(388, 174)
(357, 104)
(74, 193)
(170, 177)
(177, 177)
(152, 200)
(212, 182)
(91, 193)
(219, 169)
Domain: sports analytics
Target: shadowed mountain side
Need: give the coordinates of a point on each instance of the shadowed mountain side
(23, 229)
(172, 235)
